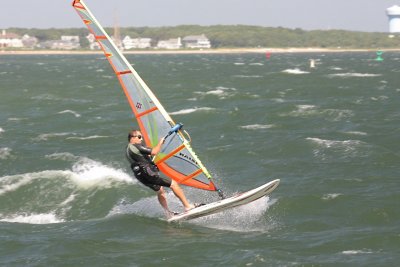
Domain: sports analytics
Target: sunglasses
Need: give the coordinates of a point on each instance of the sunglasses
(138, 136)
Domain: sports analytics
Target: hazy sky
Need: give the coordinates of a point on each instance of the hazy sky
(358, 15)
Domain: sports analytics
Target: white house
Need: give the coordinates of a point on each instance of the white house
(10, 40)
(93, 44)
(196, 41)
(29, 41)
(130, 43)
(170, 44)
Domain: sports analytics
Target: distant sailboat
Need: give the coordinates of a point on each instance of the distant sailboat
(312, 63)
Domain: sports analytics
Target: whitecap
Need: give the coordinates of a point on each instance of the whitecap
(5, 152)
(330, 196)
(45, 137)
(295, 71)
(354, 74)
(62, 156)
(191, 110)
(43, 218)
(87, 138)
(88, 173)
(257, 126)
(77, 115)
(355, 133)
(355, 252)
(334, 143)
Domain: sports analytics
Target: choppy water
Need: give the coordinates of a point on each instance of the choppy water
(331, 134)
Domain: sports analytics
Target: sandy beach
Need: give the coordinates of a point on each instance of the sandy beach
(208, 51)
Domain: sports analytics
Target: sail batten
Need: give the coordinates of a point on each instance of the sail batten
(177, 159)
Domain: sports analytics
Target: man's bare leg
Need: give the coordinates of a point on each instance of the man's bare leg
(179, 194)
(163, 200)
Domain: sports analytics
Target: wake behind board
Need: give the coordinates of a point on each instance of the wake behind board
(227, 203)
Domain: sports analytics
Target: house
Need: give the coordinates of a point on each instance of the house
(93, 44)
(170, 44)
(65, 43)
(29, 41)
(130, 43)
(10, 40)
(196, 41)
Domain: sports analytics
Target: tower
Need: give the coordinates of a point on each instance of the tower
(394, 18)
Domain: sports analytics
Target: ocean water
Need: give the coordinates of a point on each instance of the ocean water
(331, 134)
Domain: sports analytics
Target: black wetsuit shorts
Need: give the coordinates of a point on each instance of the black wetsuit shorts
(149, 176)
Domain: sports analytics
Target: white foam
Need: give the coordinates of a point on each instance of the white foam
(355, 252)
(257, 126)
(63, 156)
(356, 133)
(85, 174)
(5, 152)
(295, 71)
(87, 138)
(42, 218)
(16, 119)
(220, 91)
(334, 143)
(88, 173)
(191, 110)
(330, 196)
(354, 74)
(1, 130)
(77, 115)
(45, 137)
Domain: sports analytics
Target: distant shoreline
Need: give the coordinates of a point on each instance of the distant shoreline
(208, 51)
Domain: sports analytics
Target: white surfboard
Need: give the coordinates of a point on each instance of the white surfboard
(227, 203)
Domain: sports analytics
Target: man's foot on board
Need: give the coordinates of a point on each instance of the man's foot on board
(195, 205)
(170, 214)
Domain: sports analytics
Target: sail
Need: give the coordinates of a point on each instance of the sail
(177, 159)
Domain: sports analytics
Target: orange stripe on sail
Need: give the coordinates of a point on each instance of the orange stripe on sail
(173, 152)
(86, 21)
(123, 72)
(101, 37)
(192, 175)
(177, 176)
(146, 112)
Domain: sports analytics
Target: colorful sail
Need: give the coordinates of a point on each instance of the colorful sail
(177, 159)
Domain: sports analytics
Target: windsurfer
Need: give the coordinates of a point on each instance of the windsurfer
(147, 172)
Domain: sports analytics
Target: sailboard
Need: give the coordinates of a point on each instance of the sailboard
(227, 203)
(177, 158)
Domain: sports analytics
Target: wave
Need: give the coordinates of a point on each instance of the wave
(335, 143)
(220, 91)
(1, 130)
(295, 71)
(17, 119)
(47, 136)
(330, 114)
(61, 195)
(330, 196)
(191, 110)
(354, 74)
(88, 137)
(43, 218)
(355, 252)
(5, 152)
(257, 126)
(77, 115)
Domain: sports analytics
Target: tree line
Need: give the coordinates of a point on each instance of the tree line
(238, 36)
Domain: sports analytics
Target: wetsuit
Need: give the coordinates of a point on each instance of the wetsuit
(144, 168)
